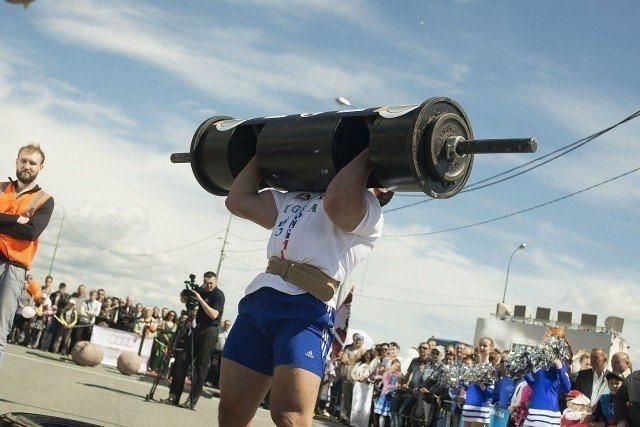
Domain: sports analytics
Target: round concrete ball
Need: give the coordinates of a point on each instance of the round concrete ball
(129, 363)
(85, 353)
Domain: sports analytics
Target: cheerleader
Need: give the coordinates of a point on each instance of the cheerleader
(476, 410)
(544, 410)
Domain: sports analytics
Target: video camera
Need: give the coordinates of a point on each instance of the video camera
(186, 295)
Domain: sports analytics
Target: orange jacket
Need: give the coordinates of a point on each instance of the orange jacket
(17, 250)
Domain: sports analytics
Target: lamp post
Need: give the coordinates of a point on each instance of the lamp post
(224, 244)
(55, 249)
(506, 282)
(340, 100)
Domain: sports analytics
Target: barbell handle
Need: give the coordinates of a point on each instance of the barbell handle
(181, 158)
(490, 146)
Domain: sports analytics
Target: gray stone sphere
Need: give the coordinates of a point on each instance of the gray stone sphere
(85, 353)
(129, 363)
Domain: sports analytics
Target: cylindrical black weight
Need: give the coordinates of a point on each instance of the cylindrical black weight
(426, 147)
(406, 148)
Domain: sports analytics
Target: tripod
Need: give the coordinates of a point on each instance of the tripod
(185, 328)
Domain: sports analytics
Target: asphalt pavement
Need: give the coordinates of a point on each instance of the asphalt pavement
(36, 382)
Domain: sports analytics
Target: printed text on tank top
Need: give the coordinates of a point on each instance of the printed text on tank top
(295, 212)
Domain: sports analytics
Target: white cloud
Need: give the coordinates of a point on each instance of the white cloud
(112, 175)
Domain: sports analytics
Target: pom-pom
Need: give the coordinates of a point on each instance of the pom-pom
(452, 373)
(519, 361)
(545, 354)
(481, 373)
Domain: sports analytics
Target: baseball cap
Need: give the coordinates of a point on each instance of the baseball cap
(613, 375)
(573, 394)
(578, 398)
(358, 337)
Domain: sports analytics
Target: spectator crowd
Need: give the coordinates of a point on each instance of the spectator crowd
(367, 387)
(55, 320)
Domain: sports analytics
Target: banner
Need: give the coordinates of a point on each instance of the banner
(499, 417)
(341, 324)
(115, 342)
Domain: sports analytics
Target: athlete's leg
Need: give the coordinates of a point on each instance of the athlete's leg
(293, 396)
(241, 391)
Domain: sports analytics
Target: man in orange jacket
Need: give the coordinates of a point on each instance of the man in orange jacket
(25, 210)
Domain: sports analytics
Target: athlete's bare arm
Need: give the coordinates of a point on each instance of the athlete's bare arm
(245, 201)
(344, 200)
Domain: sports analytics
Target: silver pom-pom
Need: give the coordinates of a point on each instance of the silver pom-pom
(528, 358)
(452, 373)
(519, 361)
(545, 354)
(480, 374)
(458, 374)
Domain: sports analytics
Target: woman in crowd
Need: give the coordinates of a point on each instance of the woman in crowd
(165, 333)
(546, 384)
(146, 325)
(362, 391)
(476, 411)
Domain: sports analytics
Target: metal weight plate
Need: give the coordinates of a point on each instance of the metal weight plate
(442, 127)
(208, 158)
(430, 178)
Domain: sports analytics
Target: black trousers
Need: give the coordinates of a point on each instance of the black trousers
(214, 370)
(204, 341)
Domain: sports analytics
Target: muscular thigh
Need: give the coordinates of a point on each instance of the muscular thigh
(241, 391)
(293, 393)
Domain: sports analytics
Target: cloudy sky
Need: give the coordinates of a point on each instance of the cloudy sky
(111, 89)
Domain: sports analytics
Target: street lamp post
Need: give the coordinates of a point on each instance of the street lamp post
(55, 249)
(506, 282)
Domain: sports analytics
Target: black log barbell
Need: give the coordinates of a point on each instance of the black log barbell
(427, 147)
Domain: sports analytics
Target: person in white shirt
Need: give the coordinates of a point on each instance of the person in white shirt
(88, 310)
(281, 337)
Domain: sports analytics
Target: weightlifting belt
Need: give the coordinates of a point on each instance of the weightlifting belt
(304, 276)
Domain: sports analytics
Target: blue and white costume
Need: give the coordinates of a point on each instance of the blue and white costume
(545, 384)
(278, 322)
(477, 404)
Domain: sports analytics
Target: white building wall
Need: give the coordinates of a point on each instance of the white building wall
(505, 333)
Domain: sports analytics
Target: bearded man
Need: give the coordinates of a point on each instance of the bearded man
(25, 211)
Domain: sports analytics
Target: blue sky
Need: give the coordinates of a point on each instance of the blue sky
(110, 89)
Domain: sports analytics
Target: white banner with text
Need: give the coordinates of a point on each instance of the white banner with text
(115, 342)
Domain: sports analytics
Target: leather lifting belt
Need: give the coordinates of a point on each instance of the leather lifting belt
(304, 276)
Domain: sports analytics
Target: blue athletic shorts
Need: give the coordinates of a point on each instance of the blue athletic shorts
(274, 328)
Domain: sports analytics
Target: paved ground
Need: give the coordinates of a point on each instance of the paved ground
(36, 382)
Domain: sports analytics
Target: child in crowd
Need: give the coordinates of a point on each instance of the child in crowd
(577, 410)
(389, 384)
(604, 414)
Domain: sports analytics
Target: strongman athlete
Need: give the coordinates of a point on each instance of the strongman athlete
(283, 333)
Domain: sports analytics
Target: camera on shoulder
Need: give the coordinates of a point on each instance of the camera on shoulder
(186, 295)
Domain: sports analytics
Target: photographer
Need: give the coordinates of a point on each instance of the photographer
(209, 300)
